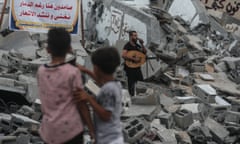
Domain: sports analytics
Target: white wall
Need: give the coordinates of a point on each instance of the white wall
(183, 8)
(131, 23)
(114, 24)
(137, 2)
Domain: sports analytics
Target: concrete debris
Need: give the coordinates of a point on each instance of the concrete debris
(219, 133)
(232, 118)
(183, 137)
(134, 129)
(206, 77)
(166, 119)
(194, 109)
(190, 93)
(183, 118)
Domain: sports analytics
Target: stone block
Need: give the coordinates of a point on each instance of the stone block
(206, 77)
(234, 75)
(199, 133)
(23, 121)
(166, 119)
(23, 139)
(92, 87)
(219, 108)
(167, 136)
(166, 101)
(5, 122)
(235, 102)
(205, 91)
(188, 80)
(26, 111)
(183, 118)
(218, 132)
(147, 98)
(185, 59)
(133, 130)
(231, 62)
(197, 67)
(186, 99)
(222, 66)
(7, 139)
(181, 72)
(193, 108)
(232, 116)
(37, 116)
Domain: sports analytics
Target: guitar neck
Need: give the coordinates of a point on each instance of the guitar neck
(151, 57)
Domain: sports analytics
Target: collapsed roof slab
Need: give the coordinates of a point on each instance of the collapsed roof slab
(192, 11)
(20, 42)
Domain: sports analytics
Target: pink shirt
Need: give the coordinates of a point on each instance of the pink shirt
(61, 120)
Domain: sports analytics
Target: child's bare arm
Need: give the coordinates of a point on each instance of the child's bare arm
(104, 114)
(87, 71)
(99, 110)
(85, 114)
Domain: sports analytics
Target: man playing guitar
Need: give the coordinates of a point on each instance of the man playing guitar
(130, 54)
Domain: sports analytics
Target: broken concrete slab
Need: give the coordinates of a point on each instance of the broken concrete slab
(183, 137)
(141, 110)
(193, 108)
(23, 44)
(8, 139)
(199, 133)
(186, 99)
(148, 98)
(231, 62)
(222, 83)
(168, 136)
(12, 85)
(206, 77)
(218, 131)
(166, 101)
(194, 41)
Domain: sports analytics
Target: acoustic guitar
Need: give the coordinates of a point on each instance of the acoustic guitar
(135, 54)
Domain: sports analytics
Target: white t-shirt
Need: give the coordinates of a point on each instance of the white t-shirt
(109, 97)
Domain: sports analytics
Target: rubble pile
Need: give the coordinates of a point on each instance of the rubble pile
(192, 99)
(193, 95)
(20, 112)
(21, 125)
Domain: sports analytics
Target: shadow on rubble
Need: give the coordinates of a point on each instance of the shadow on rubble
(10, 102)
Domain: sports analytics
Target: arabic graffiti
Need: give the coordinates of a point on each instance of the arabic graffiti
(229, 6)
(125, 30)
(116, 21)
(36, 13)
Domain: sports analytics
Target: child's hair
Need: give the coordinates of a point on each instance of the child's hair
(107, 59)
(59, 42)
